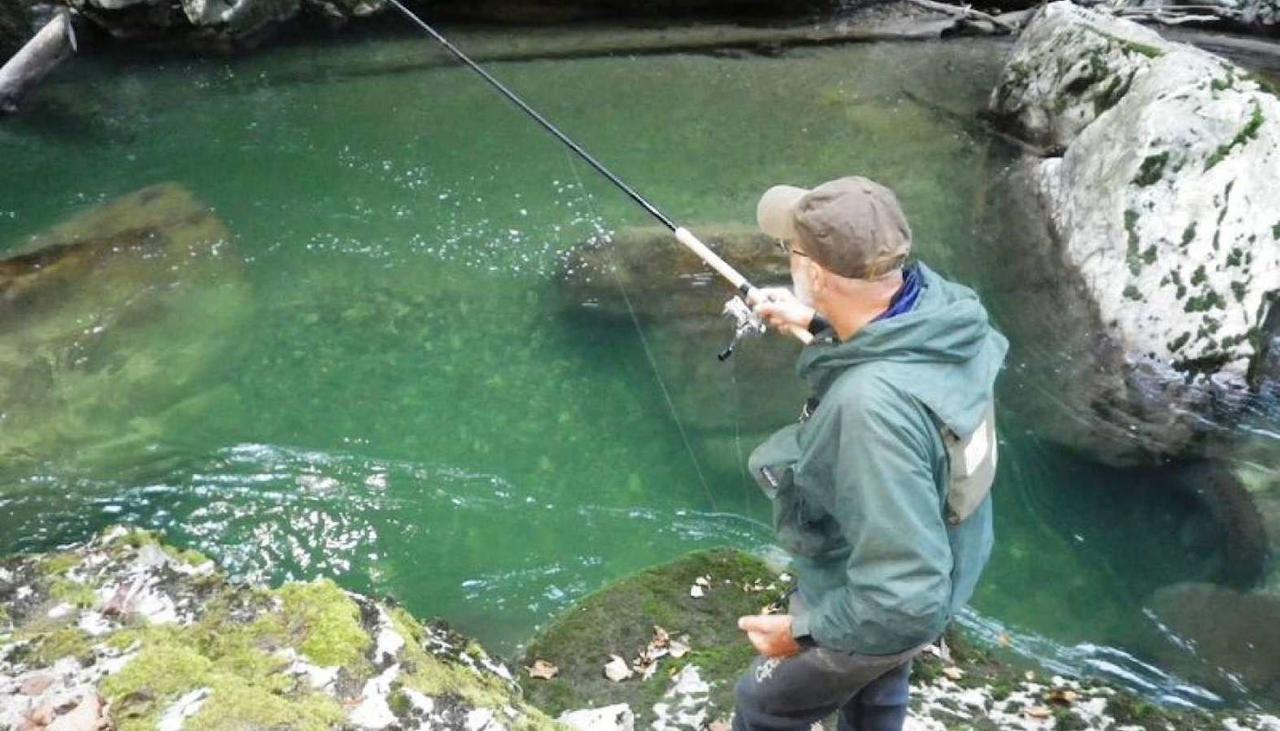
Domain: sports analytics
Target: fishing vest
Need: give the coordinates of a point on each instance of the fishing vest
(971, 463)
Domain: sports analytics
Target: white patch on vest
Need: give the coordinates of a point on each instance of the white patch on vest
(975, 451)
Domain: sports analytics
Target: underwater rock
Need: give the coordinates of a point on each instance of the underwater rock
(232, 655)
(677, 301)
(1165, 242)
(1227, 629)
(107, 320)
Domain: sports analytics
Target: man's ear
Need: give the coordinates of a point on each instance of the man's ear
(817, 277)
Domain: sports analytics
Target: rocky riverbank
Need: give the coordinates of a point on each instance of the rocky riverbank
(125, 631)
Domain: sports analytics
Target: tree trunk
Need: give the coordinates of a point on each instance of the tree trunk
(38, 57)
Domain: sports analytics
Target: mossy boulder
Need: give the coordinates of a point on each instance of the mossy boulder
(620, 620)
(143, 634)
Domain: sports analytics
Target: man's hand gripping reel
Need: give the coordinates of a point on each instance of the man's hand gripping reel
(746, 322)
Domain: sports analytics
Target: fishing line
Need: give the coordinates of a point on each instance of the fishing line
(604, 240)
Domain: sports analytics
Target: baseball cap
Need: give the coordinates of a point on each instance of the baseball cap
(852, 226)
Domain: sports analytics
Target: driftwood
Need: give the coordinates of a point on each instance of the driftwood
(965, 12)
(50, 47)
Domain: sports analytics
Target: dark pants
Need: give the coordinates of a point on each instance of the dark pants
(869, 691)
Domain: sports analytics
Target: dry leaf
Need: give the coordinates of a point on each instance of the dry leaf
(1064, 697)
(1030, 675)
(660, 636)
(770, 609)
(784, 578)
(1038, 712)
(616, 669)
(679, 648)
(953, 673)
(696, 592)
(703, 582)
(543, 670)
(1005, 640)
(647, 669)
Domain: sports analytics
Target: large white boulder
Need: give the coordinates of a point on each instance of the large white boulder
(1165, 209)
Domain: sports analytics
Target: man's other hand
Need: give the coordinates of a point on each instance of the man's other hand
(780, 308)
(770, 634)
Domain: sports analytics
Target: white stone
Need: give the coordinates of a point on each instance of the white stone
(617, 717)
(482, 719)
(60, 610)
(185, 707)
(93, 623)
(389, 642)
(373, 711)
(1164, 205)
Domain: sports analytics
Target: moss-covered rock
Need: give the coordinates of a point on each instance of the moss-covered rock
(620, 620)
(159, 634)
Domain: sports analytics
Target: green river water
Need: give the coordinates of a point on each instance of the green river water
(393, 392)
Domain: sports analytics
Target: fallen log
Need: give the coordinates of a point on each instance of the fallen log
(50, 47)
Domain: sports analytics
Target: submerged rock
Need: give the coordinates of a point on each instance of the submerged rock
(78, 642)
(1166, 241)
(1234, 635)
(677, 301)
(107, 320)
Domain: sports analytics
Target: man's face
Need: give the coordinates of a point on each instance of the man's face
(801, 276)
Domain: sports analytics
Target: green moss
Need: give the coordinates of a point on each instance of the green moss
(1248, 132)
(235, 704)
(46, 648)
(1199, 276)
(1205, 301)
(1238, 290)
(188, 556)
(58, 564)
(1275, 232)
(1112, 93)
(1131, 292)
(327, 623)
(434, 676)
(1151, 170)
(1131, 251)
(1189, 233)
(1176, 344)
(232, 658)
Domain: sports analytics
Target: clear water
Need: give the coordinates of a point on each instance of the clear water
(400, 399)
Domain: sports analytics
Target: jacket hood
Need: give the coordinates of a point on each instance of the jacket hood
(944, 352)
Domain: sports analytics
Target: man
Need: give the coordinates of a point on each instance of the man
(881, 491)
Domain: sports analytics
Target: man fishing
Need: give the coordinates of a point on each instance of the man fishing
(881, 491)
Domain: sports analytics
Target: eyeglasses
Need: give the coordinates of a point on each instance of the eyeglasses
(787, 248)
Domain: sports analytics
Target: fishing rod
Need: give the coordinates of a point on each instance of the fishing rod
(746, 322)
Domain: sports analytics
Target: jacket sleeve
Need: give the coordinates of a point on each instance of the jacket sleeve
(881, 452)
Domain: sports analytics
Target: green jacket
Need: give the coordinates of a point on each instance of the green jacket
(859, 488)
